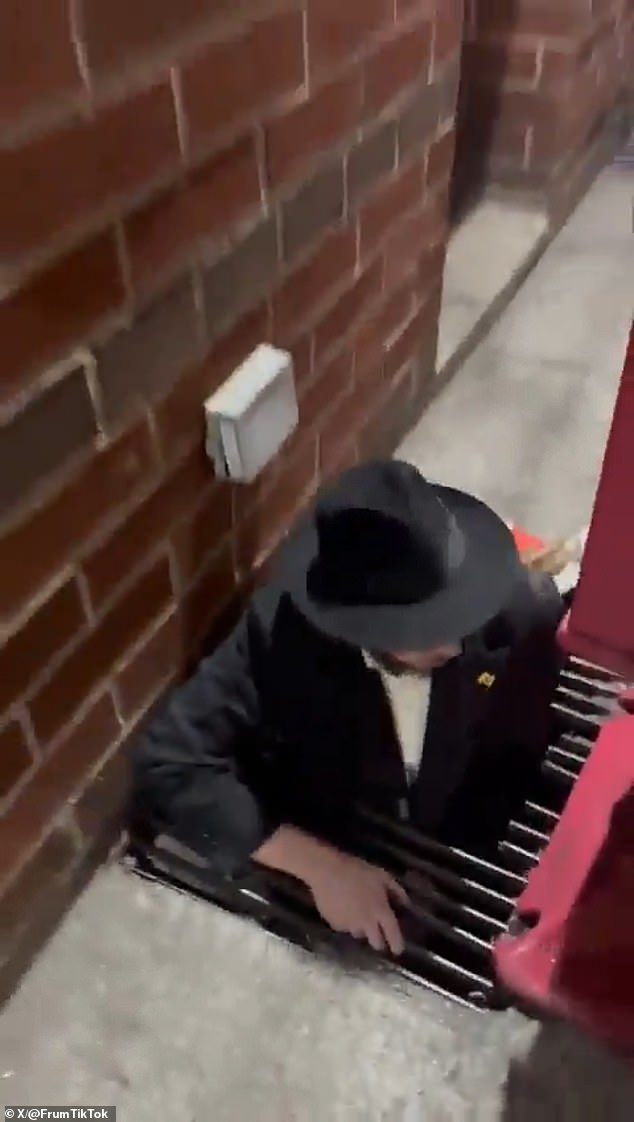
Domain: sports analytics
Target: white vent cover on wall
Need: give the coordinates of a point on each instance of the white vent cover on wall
(252, 414)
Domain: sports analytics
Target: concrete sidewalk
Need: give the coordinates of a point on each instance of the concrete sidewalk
(170, 1009)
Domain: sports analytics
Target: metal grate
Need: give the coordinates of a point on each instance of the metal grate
(461, 902)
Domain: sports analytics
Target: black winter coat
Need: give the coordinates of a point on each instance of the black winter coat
(282, 724)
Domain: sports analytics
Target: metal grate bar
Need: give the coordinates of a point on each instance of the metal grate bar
(466, 914)
(436, 849)
(466, 940)
(580, 745)
(528, 835)
(582, 704)
(561, 775)
(445, 877)
(521, 858)
(590, 670)
(566, 759)
(541, 814)
(582, 722)
(423, 954)
(462, 901)
(297, 921)
(580, 683)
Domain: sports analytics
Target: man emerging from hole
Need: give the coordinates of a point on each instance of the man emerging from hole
(401, 658)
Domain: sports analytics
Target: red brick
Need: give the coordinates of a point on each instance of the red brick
(54, 783)
(336, 456)
(233, 79)
(37, 902)
(317, 205)
(81, 672)
(531, 17)
(341, 427)
(558, 68)
(531, 107)
(151, 668)
(446, 86)
(208, 598)
(421, 116)
(111, 562)
(41, 441)
(161, 236)
(406, 7)
(389, 420)
(430, 268)
(490, 130)
(15, 758)
(241, 278)
(412, 236)
(36, 890)
(306, 289)
(516, 105)
(56, 309)
(627, 51)
(302, 354)
(405, 352)
(407, 345)
(507, 142)
(180, 415)
(36, 70)
(397, 64)
(500, 63)
(568, 130)
(395, 198)
(440, 159)
(369, 161)
(337, 30)
(102, 808)
(248, 496)
(45, 634)
(350, 307)
(117, 33)
(425, 368)
(140, 363)
(447, 31)
(258, 534)
(546, 147)
(326, 388)
(32, 551)
(383, 322)
(295, 138)
(521, 63)
(158, 239)
(52, 900)
(197, 538)
(87, 167)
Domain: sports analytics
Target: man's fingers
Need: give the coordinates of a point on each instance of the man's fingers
(357, 932)
(374, 937)
(396, 890)
(391, 931)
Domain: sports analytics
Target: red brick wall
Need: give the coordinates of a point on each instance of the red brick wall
(177, 186)
(538, 78)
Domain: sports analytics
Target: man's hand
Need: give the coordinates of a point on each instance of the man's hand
(552, 558)
(356, 898)
(352, 896)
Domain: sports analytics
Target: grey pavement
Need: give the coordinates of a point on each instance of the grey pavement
(485, 253)
(173, 1010)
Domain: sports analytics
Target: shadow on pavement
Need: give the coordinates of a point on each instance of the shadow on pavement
(567, 1077)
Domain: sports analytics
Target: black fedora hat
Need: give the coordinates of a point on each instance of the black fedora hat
(391, 562)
